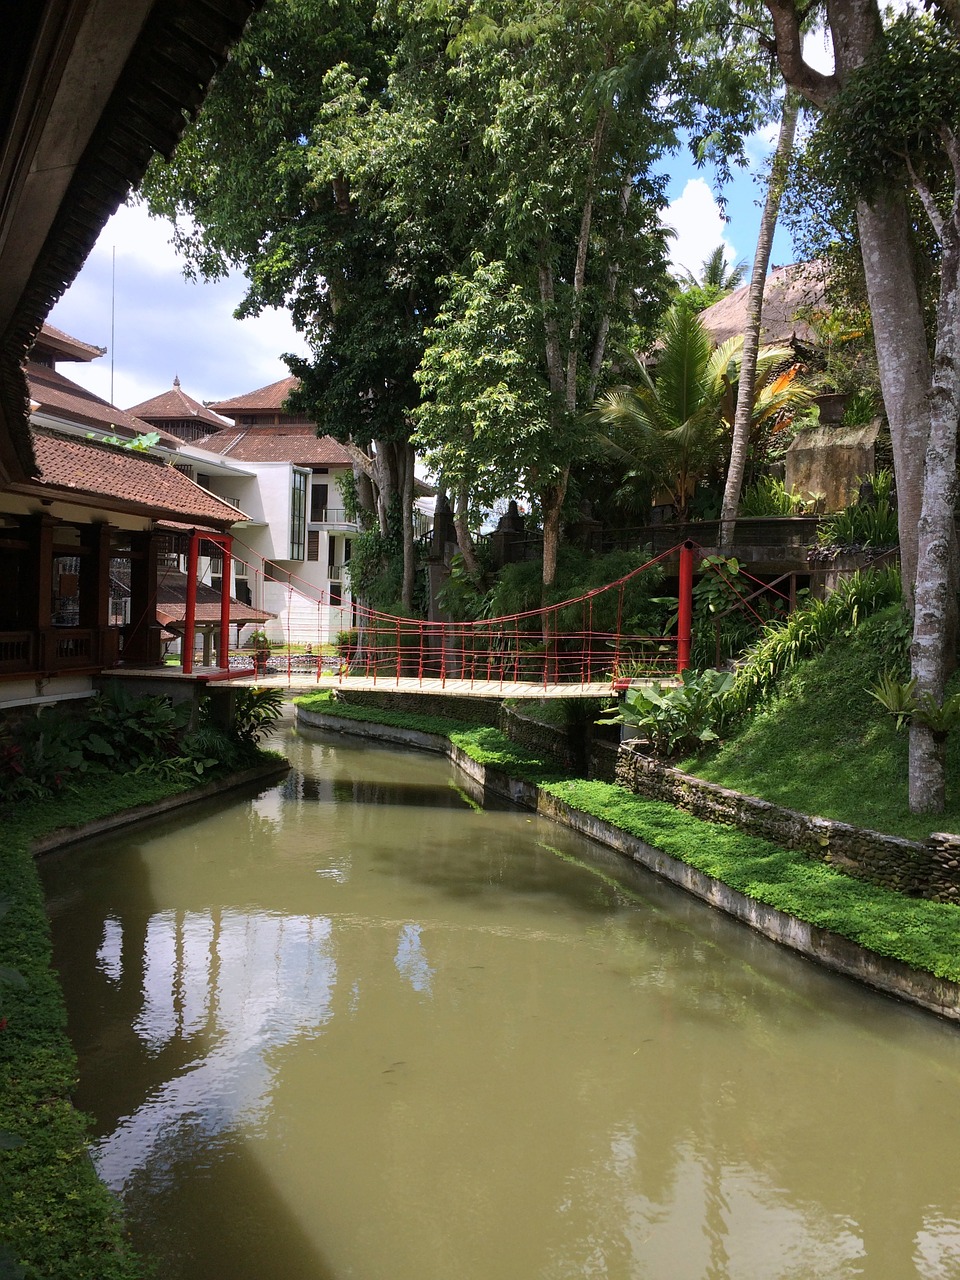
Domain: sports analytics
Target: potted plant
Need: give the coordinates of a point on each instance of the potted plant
(260, 645)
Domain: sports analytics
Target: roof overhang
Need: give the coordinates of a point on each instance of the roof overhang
(93, 88)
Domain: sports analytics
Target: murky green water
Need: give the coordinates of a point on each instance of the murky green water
(356, 1027)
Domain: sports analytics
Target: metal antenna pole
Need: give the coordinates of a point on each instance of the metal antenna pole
(113, 315)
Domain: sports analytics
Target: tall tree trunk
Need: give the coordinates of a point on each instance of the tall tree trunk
(461, 524)
(406, 457)
(903, 361)
(927, 557)
(551, 503)
(746, 387)
(935, 605)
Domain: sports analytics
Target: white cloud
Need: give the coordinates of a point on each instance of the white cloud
(166, 325)
(699, 225)
(818, 50)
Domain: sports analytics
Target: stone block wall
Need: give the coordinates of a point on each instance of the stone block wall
(476, 711)
(924, 869)
(552, 741)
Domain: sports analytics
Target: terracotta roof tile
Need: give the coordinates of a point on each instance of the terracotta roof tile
(269, 397)
(64, 346)
(130, 478)
(176, 406)
(297, 444)
(63, 398)
(172, 602)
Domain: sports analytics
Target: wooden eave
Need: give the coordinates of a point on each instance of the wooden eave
(149, 510)
(91, 89)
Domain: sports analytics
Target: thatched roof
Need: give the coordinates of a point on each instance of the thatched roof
(788, 290)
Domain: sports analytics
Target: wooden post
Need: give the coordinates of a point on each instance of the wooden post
(142, 644)
(685, 610)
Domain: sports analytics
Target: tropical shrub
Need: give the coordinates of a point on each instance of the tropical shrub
(256, 713)
(676, 718)
(768, 496)
(868, 524)
(808, 630)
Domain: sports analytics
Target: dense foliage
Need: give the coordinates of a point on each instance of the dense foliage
(46, 752)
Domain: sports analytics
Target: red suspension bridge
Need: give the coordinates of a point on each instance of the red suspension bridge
(582, 647)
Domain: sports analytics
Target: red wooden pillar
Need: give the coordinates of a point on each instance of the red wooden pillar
(190, 612)
(685, 609)
(223, 640)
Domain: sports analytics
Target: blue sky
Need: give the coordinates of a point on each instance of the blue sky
(166, 326)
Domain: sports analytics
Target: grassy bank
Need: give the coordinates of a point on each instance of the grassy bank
(57, 1220)
(919, 933)
(823, 745)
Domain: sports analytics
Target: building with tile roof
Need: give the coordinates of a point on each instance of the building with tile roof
(88, 533)
(178, 414)
(91, 94)
(298, 546)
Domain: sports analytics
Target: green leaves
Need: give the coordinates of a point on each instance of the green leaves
(676, 718)
(903, 702)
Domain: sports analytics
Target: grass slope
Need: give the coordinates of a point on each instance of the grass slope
(822, 745)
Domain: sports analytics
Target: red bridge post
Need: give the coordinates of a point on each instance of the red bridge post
(685, 609)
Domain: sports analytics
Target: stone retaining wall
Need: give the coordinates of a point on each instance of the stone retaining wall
(476, 711)
(552, 741)
(922, 869)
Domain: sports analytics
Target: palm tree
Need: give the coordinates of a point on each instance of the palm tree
(673, 429)
(715, 276)
(740, 444)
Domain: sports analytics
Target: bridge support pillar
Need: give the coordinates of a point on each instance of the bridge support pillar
(685, 606)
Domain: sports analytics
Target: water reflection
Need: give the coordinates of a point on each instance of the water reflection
(355, 1027)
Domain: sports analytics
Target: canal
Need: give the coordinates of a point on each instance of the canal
(359, 1026)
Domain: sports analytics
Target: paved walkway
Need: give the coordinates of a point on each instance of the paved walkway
(298, 683)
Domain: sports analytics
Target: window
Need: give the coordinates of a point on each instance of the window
(336, 593)
(331, 553)
(298, 511)
(313, 544)
(318, 503)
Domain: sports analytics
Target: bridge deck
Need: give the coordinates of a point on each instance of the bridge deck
(300, 683)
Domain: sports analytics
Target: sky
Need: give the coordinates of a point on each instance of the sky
(165, 326)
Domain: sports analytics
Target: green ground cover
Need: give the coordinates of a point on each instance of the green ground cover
(919, 933)
(57, 1219)
(821, 744)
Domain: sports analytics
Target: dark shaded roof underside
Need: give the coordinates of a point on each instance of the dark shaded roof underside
(163, 81)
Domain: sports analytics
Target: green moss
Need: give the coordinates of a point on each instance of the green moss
(492, 748)
(58, 1219)
(919, 933)
(325, 702)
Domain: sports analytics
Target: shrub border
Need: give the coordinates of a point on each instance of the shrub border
(824, 946)
(61, 1220)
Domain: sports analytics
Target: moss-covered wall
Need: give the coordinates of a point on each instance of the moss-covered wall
(929, 869)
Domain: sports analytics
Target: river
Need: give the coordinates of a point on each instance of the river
(359, 1026)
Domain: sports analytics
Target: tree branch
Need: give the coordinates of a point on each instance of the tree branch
(812, 85)
(926, 198)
